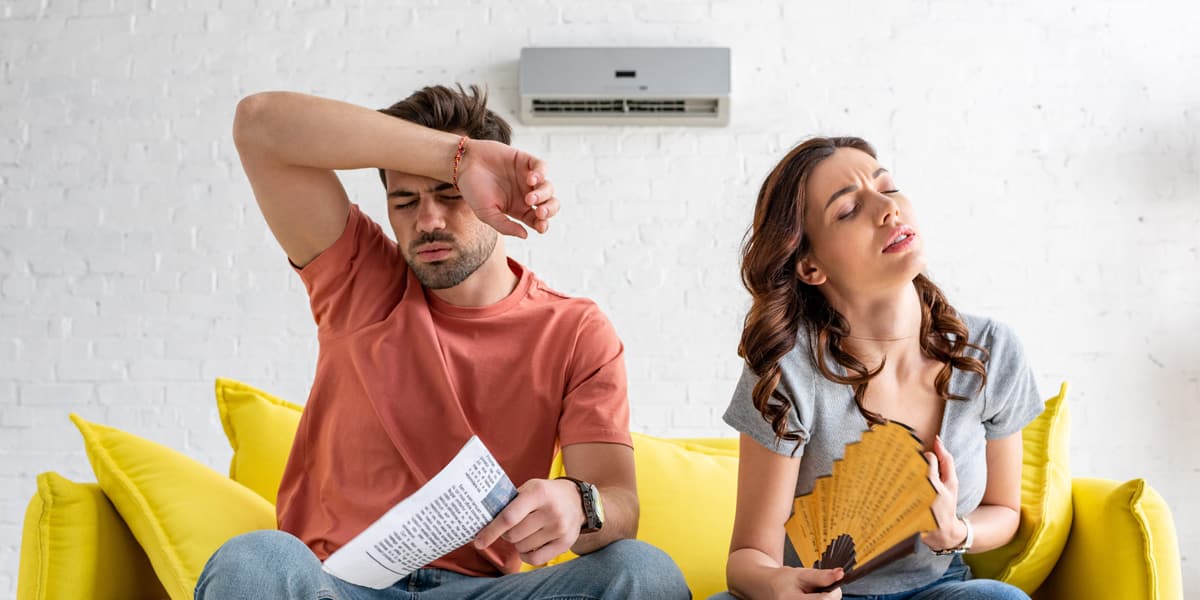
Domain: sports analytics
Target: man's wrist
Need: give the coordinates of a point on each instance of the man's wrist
(460, 156)
(574, 494)
(590, 505)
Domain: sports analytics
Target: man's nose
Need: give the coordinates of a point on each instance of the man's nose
(431, 215)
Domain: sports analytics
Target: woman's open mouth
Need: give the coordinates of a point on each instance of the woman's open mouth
(901, 242)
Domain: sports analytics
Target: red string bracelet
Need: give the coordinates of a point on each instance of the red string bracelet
(462, 149)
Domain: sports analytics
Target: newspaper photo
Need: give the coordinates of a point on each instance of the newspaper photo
(444, 514)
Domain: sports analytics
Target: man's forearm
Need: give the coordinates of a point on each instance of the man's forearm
(308, 131)
(620, 521)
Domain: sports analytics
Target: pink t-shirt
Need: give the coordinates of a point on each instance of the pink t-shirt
(404, 379)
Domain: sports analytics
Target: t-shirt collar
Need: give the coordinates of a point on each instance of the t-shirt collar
(524, 281)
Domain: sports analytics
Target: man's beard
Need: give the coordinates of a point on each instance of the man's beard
(452, 271)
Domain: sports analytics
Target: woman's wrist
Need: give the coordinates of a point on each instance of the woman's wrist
(959, 539)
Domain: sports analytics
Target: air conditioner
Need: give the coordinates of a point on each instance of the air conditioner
(625, 86)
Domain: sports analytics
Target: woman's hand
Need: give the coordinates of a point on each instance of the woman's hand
(951, 531)
(499, 181)
(792, 582)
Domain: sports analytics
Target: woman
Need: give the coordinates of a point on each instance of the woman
(844, 331)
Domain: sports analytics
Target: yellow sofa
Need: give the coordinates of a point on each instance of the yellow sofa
(145, 529)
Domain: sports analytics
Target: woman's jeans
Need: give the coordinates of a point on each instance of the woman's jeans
(955, 584)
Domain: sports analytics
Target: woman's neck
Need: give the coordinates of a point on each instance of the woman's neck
(886, 324)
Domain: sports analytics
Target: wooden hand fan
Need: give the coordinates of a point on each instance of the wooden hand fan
(871, 510)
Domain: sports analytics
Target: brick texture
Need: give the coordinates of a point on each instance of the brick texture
(1052, 150)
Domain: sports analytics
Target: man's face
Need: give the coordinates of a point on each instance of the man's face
(441, 238)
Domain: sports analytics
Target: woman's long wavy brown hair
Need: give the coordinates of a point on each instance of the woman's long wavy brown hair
(782, 303)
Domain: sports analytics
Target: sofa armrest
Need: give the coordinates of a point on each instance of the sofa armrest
(1122, 545)
(75, 545)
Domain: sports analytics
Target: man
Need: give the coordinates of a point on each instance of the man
(426, 341)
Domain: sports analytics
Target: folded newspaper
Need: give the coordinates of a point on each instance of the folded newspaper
(444, 514)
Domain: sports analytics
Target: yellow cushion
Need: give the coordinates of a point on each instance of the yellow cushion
(1045, 504)
(1123, 545)
(687, 490)
(179, 510)
(688, 495)
(74, 545)
(260, 428)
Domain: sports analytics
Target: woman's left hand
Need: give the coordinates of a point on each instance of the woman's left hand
(951, 531)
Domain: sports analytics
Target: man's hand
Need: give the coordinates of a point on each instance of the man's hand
(792, 582)
(499, 181)
(542, 522)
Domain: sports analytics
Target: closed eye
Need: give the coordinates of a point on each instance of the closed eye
(890, 192)
(846, 215)
(403, 205)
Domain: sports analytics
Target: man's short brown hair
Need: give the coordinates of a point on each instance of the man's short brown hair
(446, 109)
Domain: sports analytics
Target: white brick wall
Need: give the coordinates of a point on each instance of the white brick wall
(1052, 149)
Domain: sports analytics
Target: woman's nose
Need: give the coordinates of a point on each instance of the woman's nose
(889, 208)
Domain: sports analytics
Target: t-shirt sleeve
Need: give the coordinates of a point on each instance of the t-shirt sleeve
(357, 280)
(1012, 400)
(596, 404)
(796, 387)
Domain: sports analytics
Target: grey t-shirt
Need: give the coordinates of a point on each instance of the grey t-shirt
(824, 414)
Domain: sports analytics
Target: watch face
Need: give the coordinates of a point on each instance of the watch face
(598, 504)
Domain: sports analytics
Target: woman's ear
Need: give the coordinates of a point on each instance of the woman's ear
(809, 272)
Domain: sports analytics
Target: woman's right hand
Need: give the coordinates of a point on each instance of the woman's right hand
(793, 582)
(499, 181)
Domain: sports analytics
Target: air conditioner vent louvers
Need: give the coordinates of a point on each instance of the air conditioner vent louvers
(668, 86)
(618, 106)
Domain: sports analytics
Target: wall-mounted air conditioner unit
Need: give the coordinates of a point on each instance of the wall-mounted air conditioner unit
(625, 86)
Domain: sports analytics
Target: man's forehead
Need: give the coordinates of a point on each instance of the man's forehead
(407, 182)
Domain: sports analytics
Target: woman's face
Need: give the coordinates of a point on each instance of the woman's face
(862, 231)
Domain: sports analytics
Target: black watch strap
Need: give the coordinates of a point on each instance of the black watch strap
(592, 521)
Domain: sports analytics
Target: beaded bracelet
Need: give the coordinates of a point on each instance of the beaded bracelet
(462, 149)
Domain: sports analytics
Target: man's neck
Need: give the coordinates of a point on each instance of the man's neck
(492, 282)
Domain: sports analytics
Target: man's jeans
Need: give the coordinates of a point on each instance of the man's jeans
(274, 564)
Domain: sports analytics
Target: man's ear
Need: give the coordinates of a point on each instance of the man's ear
(809, 272)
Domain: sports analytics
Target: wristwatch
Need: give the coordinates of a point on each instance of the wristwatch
(963, 547)
(593, 509)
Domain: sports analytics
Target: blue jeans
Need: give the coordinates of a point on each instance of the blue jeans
(955, 584)
(274, 564)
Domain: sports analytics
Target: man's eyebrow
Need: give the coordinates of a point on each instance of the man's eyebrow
(405, 193)
(852, 188)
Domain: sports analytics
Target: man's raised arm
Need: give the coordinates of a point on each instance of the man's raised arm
(291, 143)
